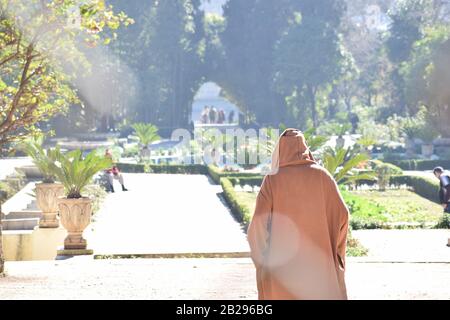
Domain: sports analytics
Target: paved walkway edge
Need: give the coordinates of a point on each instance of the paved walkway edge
(174, 255)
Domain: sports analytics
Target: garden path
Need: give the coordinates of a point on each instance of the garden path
(166, 214)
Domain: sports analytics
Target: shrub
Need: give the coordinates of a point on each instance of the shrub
(162, 168)
(384, 171)
(354, 247)
(131, 167)
(242, 212)
(243, 181)
(6, 191)
(11, 185)
(215, 173)
(444, 222)
(178, 169)
(423, 186)
(132, 151)
(419, 164)
(343, 165)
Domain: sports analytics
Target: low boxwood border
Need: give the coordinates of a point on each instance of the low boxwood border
(163, 168)
(420, 164)
(423, 186)
(211, 170)
(239, 210)
(246, 181)
(215, 174)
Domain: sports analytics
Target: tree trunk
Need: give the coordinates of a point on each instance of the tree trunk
(369, 98)
(312, 97)
(348, 102)
(2, 260)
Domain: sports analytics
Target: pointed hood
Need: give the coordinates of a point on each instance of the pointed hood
(291, 149)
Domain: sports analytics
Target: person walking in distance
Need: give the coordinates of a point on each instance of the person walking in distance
(444, 188)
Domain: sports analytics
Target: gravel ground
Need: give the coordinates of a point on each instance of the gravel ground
(84, 278)
(417, 245)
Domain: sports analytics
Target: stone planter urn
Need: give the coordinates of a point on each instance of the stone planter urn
(47, 195)
(75, 216)
(145, 153)
(427, 150)
(409, 146)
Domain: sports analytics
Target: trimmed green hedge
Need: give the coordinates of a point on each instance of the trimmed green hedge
(216, 174)
(243, 181)
(131, 167)
(423, 186)
(162, 168)
(212, 171)
(242, 212)
(420, 164)
(179, 169)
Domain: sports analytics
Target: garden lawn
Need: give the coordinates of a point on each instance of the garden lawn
(394, 206)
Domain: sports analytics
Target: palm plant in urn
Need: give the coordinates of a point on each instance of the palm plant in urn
(146, 133)
(47, 191)
(75, 173)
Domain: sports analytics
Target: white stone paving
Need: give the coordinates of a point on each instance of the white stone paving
(164, 213)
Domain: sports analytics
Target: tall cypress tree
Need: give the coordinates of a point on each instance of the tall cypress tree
(253, 27)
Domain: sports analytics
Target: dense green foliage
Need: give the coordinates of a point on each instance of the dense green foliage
(146, 133)
(343, 165)
(384, 171)
(42, 158)
(39, 54)
(75, 171)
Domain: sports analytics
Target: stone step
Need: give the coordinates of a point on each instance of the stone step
(20, 224)
(23, 214)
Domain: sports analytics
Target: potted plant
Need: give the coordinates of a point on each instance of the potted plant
(427, 134)
(146, 133)
(75, 173)
(47, 191)
(411, 130)
(384, 171)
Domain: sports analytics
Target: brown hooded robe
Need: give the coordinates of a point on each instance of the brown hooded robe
(298, 232)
